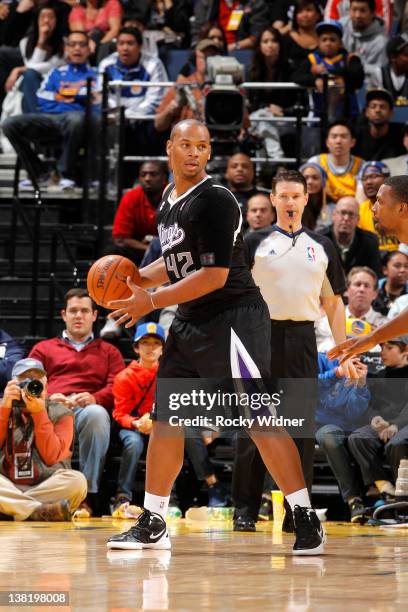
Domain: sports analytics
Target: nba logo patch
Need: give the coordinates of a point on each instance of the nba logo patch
(311, 253)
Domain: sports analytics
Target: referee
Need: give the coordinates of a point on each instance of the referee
(296, 270)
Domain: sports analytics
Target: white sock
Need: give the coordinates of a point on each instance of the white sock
(156, 504)
(299, 498)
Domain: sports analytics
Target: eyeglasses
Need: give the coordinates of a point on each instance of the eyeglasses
(77, 43)
(346, 213)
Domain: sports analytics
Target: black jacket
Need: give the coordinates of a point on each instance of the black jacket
(363, 251)
(389, 389)
(255, 19)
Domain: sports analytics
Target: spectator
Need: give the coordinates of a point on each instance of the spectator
(344, 70)
(362, 285)
(355, 246)
(39, 52)
(133, 392)
(240, 179)
(100, 19)
(393, 76)
(318, 213)
(399, 165)
(36, 437)
(260, 212)
(302, 37)
(376, 136)
(373, 175)
(10, 352)
(185, 101)
(241, 23)
(135, 217)
(62, 100)
(386, 438)
(17, 18)
(340, 410)
(172, 19)
(340, 166)
(81, 371)
(363, 34)
(335, 9)
(130, 64)
(395, 283)
(214, 32)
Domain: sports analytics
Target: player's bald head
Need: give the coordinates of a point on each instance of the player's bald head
(191, 127)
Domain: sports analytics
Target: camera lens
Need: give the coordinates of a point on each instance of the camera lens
(34, 388)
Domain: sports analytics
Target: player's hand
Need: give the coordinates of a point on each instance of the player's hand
(132, 308)
(351, 347)
(12, 392)
(83, 399)
(387, 433)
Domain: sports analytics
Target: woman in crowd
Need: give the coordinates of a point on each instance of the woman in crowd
(302, 37)
(317, 213)
(38, 53)
(100, 19)
(270, 65)
(214, 31)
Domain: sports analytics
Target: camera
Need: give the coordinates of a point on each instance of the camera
(32, 387)
(224, 105)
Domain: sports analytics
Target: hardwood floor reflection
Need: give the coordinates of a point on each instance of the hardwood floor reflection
(209, 568)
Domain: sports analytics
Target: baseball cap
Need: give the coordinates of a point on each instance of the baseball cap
(379, 93)
(149, 329)
(329, 25)
(396, 44)
(23, 365)
(376, 167)
(207, 43)
(357, 327)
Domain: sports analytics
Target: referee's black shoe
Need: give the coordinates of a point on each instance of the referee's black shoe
(149, 531)
(310, 536)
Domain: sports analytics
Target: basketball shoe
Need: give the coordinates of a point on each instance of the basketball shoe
(149, 531)
(310, 536)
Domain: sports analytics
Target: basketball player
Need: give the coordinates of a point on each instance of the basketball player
(221, 329)
(390, 214)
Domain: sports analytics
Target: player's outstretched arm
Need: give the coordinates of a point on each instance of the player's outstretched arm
(154, 275)
(394, 328)
(141, 302)
(336, 314)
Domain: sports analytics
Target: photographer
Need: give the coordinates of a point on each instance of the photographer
(36, 435)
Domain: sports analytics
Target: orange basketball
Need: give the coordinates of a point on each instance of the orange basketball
(106, 279)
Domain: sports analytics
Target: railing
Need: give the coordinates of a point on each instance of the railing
(118, 150)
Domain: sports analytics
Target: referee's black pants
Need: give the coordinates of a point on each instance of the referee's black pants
(294, 355)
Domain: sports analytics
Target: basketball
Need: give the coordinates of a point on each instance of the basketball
(106, 279)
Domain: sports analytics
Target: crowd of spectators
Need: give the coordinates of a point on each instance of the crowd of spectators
(352, 58)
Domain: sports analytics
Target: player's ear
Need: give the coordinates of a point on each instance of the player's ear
(169, 145)
(209, 153)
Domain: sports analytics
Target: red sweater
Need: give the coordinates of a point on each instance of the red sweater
(92, 369)
(129, 387)
(135, 216)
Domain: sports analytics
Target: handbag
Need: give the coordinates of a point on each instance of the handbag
(12, 106)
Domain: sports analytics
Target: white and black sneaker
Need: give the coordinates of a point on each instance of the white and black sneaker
(310, 536)
(149, 531)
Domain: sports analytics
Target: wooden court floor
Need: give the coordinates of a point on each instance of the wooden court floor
(209, 568)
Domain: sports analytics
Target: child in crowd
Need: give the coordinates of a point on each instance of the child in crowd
(345, 72)
(133, 391)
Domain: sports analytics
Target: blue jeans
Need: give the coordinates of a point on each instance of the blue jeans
(30, 85)
(133, 444)
(333, 440)
(92, 429)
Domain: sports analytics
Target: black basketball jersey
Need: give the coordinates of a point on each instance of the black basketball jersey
(202, 228)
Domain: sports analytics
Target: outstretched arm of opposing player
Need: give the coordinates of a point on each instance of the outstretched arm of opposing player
(141, 302)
